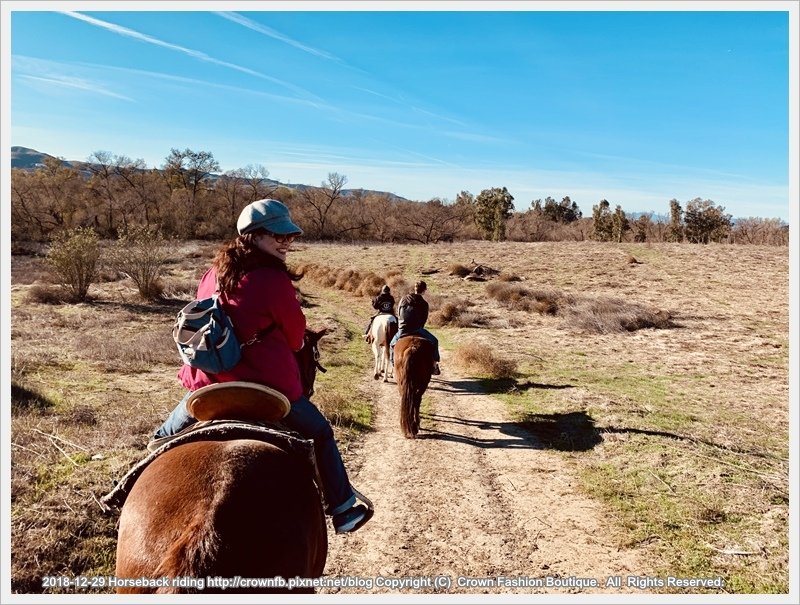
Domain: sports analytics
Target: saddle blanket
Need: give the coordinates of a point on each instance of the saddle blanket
(216, 430)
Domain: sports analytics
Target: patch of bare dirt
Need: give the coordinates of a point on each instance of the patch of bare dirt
(473, 497)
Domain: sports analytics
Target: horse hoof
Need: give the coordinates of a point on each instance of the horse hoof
(376, 376)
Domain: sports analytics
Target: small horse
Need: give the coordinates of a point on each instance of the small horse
(308, 359)
(383, 329)
(240, 508)
(413, 366)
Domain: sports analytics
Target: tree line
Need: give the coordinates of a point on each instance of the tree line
(187, 198)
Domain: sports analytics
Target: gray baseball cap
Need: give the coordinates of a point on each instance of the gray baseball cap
(271, 215)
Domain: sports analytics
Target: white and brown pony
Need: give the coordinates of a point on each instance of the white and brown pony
(226, 508)
(383, 329)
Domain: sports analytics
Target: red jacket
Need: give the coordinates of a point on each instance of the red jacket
(262, 298)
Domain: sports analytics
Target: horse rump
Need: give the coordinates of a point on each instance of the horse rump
(413, 361)
(222, 509)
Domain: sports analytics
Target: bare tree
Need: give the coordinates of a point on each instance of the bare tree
(186, 174)
(232, 192)
(256, 181)
(429, 222)
(321, 200)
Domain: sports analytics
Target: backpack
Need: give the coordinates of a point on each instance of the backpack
(204, 336)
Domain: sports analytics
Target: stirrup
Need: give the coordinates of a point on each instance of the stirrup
(370, 509)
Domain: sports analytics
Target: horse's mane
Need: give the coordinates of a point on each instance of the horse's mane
(308, 360)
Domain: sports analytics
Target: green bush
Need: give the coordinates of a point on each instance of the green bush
(73, 258)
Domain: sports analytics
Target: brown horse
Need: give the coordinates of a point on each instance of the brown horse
(241, 508)
(413, 366)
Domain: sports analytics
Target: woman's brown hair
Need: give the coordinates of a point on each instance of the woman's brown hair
(240, 256)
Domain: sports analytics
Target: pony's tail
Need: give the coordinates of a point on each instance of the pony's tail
(413, 374)
(407, 393)
(191, 555)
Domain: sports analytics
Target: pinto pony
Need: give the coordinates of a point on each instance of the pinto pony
(413, 366)
(383, 329)
(229, 508)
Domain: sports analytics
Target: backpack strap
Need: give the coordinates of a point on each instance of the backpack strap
(258, 336)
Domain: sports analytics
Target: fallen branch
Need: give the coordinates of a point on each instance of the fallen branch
(66, 455)
(27, 449)
(61, 440)
(662, 481)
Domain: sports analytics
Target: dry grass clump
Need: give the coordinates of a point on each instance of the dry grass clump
(504, 276)
(519, 298)
(370, 285)
(398, 284)
(601, 316)
(454, 313)
(182, 289)
(610, 315)
(360, 283)
(458, 270)
(483, 360)
(47, 295)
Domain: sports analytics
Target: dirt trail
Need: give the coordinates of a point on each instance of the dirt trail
(473, 496)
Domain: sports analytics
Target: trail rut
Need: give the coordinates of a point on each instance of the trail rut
(473, 498)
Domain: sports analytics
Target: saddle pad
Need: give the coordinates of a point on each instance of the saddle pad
(219, 430)
(238, 400)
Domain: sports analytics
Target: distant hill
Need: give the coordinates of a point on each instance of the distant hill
(30, 159)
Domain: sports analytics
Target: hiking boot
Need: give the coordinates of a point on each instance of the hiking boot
(351, 519)
(436, 370)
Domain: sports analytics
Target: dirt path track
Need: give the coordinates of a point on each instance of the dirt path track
(473, 496)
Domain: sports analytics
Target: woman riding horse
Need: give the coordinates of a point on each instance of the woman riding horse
(412, 315)
(382, 303)
(257, 293)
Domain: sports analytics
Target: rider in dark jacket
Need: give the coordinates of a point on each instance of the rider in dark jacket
(382, 303)
(412, 315)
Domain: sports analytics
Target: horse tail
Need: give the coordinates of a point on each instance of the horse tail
(406, 387)
(414, 366)
(192, 554)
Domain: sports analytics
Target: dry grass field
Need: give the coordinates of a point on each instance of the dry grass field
(658, 375)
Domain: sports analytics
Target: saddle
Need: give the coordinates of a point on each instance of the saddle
(238, 400)
(214, 430)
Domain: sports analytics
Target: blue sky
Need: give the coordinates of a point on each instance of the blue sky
(636, 107)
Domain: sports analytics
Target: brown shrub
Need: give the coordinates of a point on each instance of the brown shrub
(182, 289)
(370, 285)
(470, 319)
(480, 359)
(449, 312)
(47, 295)
(458, 270)
(503, 276)
(605, 316)
(520, 298)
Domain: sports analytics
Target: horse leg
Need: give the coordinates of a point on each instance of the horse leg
(376, 354)
(385, 361)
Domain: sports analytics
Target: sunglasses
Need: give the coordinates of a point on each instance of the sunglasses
(282, 239)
